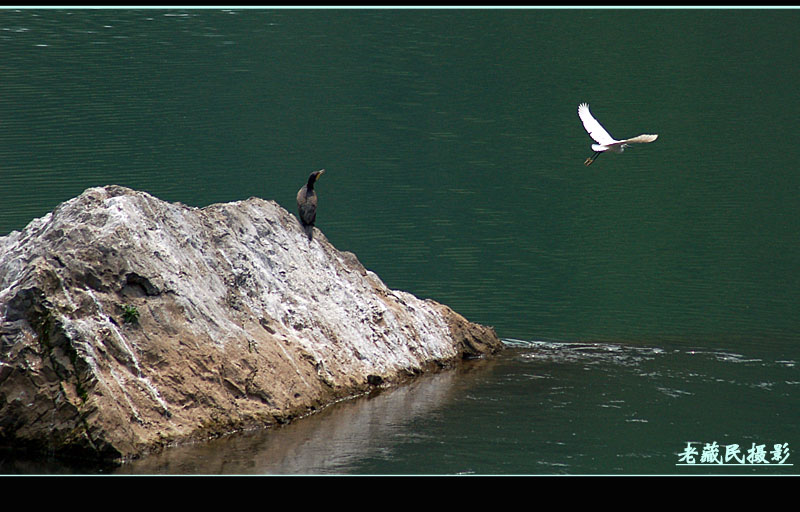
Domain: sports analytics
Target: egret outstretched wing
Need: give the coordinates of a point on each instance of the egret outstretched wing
(645, 137)
(595, 129)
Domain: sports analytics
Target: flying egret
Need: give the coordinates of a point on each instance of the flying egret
(604, 140)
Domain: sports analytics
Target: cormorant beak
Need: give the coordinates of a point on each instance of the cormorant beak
(320, 173)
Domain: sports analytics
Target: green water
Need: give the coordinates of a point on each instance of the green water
(667, 276)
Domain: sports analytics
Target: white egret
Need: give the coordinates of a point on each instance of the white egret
(605, 141)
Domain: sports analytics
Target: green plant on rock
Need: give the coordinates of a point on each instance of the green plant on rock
(130, 314)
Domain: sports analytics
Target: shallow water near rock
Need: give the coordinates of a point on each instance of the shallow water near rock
(538, 408)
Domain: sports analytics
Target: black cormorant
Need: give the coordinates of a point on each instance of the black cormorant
(307, 203)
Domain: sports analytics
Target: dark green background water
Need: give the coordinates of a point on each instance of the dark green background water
(667, 276)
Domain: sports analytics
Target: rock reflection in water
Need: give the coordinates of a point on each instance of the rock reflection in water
(328, 442)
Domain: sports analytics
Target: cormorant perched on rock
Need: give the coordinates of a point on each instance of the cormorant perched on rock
(307, 203)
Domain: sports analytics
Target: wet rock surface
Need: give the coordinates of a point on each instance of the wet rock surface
(128, 323)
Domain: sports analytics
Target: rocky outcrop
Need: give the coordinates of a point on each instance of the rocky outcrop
(128, 323)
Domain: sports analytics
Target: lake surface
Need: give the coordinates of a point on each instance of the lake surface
(649, 300)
